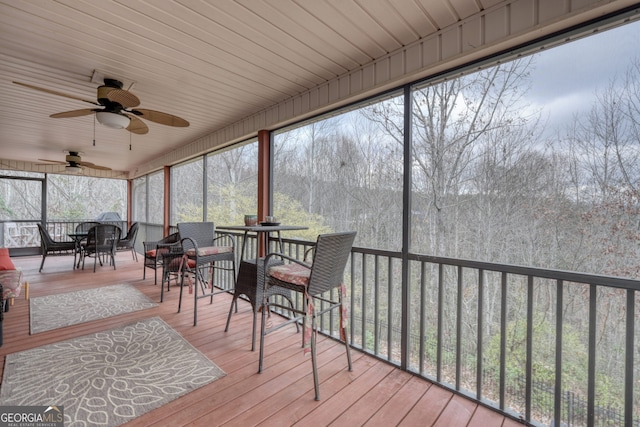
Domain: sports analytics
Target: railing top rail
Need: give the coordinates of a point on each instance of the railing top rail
(567, 276)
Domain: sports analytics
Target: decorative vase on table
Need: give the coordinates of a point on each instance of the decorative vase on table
(250, 220)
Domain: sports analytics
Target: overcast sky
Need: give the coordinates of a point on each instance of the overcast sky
(566, 77)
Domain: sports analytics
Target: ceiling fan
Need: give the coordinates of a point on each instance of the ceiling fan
(73, 163)
(117, 108)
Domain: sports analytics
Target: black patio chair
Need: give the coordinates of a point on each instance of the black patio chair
(205, 247)
(102, 241)
(127, 243)
(53, 248)
(318, 282)
(153, 257)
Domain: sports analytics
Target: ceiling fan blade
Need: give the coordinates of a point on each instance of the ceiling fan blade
(160, 117)
(93, 166)
(123, 97)
(53, 161)
(53, 92)
(136, 125)
(73, 113)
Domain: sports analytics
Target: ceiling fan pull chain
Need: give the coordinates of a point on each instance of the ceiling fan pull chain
(129, 141)
(94, 130)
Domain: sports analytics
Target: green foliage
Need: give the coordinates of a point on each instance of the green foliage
(291, 212)
(228, 204)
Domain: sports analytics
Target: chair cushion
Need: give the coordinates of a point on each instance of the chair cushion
(11, 281)
(150, 254)
(291, 273)
(5, 260)
(210, 250)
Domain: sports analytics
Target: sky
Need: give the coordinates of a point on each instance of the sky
(566, 78)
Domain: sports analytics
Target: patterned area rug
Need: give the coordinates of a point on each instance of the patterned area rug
(110, 377)
(60, 310)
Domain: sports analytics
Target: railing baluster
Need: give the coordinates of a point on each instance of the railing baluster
(629, 351)
(459, 329)
(479, 328)
(529, 361)
(390, 311)
(591, 369)
(423, 312)
(503, 340)
(440, 321)
(364, 301)
(376, 302)
(557, 410)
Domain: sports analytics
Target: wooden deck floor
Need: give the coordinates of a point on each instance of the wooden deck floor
(373, 394)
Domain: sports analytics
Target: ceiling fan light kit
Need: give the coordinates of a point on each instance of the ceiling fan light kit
(112, 120)
(73, 169)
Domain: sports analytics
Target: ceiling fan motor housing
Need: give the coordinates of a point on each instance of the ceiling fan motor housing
(72, 158)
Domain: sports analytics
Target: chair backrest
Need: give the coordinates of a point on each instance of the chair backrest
(86, 226)
(45, 237)
(329, 261)
(132, 233)
(103, 237)
(202, 233)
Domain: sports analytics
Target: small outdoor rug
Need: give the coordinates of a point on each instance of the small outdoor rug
(60, 310)
(110, 377)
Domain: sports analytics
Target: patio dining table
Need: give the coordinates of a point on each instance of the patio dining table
(250, 279)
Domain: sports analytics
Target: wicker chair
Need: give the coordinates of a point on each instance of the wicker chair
(316, 281)
(52, 247)
(127, 243)
(101, 241)
(174, 265)
(152, 257)
(201, 245)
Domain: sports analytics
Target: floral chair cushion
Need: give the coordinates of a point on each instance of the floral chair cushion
(291, 273)
(210, 250)
(11, 281)
(299, 275)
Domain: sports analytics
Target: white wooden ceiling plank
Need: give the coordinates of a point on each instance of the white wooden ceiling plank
(441, 12)
(415, 16)
(176, 47)
(247, 24)
(290, 22)
(394, 23)
(204, 34)
(351, 21)
(486, 4)
(465, 8)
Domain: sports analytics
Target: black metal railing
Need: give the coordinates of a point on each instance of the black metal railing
(531, 343)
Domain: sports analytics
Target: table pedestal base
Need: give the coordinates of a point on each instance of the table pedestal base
(250, 282)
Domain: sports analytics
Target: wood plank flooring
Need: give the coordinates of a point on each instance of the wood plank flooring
(373, 394)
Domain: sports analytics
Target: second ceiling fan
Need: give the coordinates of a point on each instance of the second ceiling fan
(118, 108)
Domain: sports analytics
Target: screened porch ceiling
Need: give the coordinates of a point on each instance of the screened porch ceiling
(231, 67)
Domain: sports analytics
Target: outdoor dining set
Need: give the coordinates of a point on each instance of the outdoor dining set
(198, 254)
(191, 256)
(90, 239)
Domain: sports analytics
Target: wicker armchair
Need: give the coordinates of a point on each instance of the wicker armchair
(314, 281)
(174, 265)
(127, 243)
(52, 247)
(203, 247)
(152, 257)
(101, 241)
